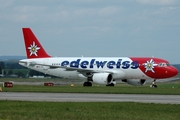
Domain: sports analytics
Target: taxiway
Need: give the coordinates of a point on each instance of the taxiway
(80, 97)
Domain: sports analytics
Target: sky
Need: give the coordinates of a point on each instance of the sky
(94, 28)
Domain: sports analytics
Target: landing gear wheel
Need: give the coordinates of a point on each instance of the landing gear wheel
(110, 85)
(154, 84)
(87, 84)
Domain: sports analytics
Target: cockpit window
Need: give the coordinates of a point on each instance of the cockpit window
(164, 64)
(168, 64)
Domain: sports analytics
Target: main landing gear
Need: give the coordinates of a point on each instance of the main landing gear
(153, 84)
(87, 84)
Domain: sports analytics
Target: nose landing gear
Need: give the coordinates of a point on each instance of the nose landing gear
(153, 84)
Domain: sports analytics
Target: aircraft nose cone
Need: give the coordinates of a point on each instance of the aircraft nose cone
(173, 71)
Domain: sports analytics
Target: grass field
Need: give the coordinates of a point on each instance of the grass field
(17, 110)
(172, 88)
(162, 89)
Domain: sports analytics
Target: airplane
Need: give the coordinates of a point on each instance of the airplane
(100, 70)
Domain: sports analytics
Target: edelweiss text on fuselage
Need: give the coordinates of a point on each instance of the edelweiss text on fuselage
(101, 64)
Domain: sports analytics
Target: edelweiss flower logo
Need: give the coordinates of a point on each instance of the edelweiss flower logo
(33, 49)
(149, 65)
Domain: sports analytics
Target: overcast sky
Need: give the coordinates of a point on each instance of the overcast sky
(105, 28)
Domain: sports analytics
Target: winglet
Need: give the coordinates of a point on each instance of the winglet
(33, 47)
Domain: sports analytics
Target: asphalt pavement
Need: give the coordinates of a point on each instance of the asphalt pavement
(80, 97)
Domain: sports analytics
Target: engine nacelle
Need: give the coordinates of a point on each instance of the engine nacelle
(103, 78)
(135, 82)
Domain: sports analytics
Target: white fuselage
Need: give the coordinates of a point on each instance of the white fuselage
(120, 67)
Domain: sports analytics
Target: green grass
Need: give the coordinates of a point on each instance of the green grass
(170, 89)
(17, 110)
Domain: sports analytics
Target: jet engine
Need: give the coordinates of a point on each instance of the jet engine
(102, 78)
(135, 82)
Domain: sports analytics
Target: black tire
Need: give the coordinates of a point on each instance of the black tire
(89, 84)
(85, 84)
(112, 85)
(155, 86)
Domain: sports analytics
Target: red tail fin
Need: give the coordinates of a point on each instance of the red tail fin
(33, 47)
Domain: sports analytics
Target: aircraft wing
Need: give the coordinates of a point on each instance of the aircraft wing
(85, 72)
(80, 70)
